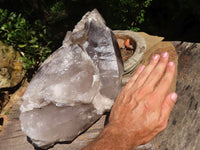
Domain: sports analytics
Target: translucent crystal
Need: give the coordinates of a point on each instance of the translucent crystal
(75, 85)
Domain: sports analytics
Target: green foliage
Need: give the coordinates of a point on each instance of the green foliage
(60, 16)
(29, 39)
(118, 14)
(57, 12)
(127, 14)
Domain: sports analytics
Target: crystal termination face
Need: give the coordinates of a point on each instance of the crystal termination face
(75, 85)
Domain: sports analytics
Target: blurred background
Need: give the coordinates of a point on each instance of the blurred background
(42, 24)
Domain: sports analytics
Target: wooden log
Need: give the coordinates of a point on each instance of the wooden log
(183, 130)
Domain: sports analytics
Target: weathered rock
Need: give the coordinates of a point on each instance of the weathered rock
(11, 67)
(75, 85)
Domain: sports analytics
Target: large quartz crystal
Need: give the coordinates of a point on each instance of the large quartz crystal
(75, 85)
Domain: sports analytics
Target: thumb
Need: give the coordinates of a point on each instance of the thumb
(168, 105)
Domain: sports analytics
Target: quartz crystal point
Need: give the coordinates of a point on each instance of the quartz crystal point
(75, 85)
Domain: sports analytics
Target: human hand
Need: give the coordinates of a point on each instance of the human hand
(143, 107)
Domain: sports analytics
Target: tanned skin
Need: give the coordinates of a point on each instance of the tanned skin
(142, 109)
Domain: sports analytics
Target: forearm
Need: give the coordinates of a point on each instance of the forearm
(111, 139)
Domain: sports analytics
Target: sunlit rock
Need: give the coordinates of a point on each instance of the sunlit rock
(75, 85)
(11, 67)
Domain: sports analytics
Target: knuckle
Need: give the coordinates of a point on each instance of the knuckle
(155, 96)
(130, 101)
(163, 124)
(153, 62)
(146, 106)
(127, 98)
(149, 88)
(132, 79)
(141, 92)
(145, 90)
(163, 61)
(156, 72)
(143, 74)
(165, 79)
(121, 95)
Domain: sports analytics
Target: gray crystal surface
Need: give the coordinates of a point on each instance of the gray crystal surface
(75, 85)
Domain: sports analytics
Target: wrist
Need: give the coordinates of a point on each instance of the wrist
(118, 136)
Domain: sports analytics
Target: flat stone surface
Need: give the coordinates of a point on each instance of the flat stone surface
(182, 132)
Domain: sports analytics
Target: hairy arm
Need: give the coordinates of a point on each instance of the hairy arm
(142, 109)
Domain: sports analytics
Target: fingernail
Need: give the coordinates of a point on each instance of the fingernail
(165, 54)
(171, 63)
(174, 97)
(155, 57)
(142, 67)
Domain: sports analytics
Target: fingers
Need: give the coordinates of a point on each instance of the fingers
(145, 73)
(157, 72)
(167, 107)
(134, 77)
(150, 79)
(166, 81)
